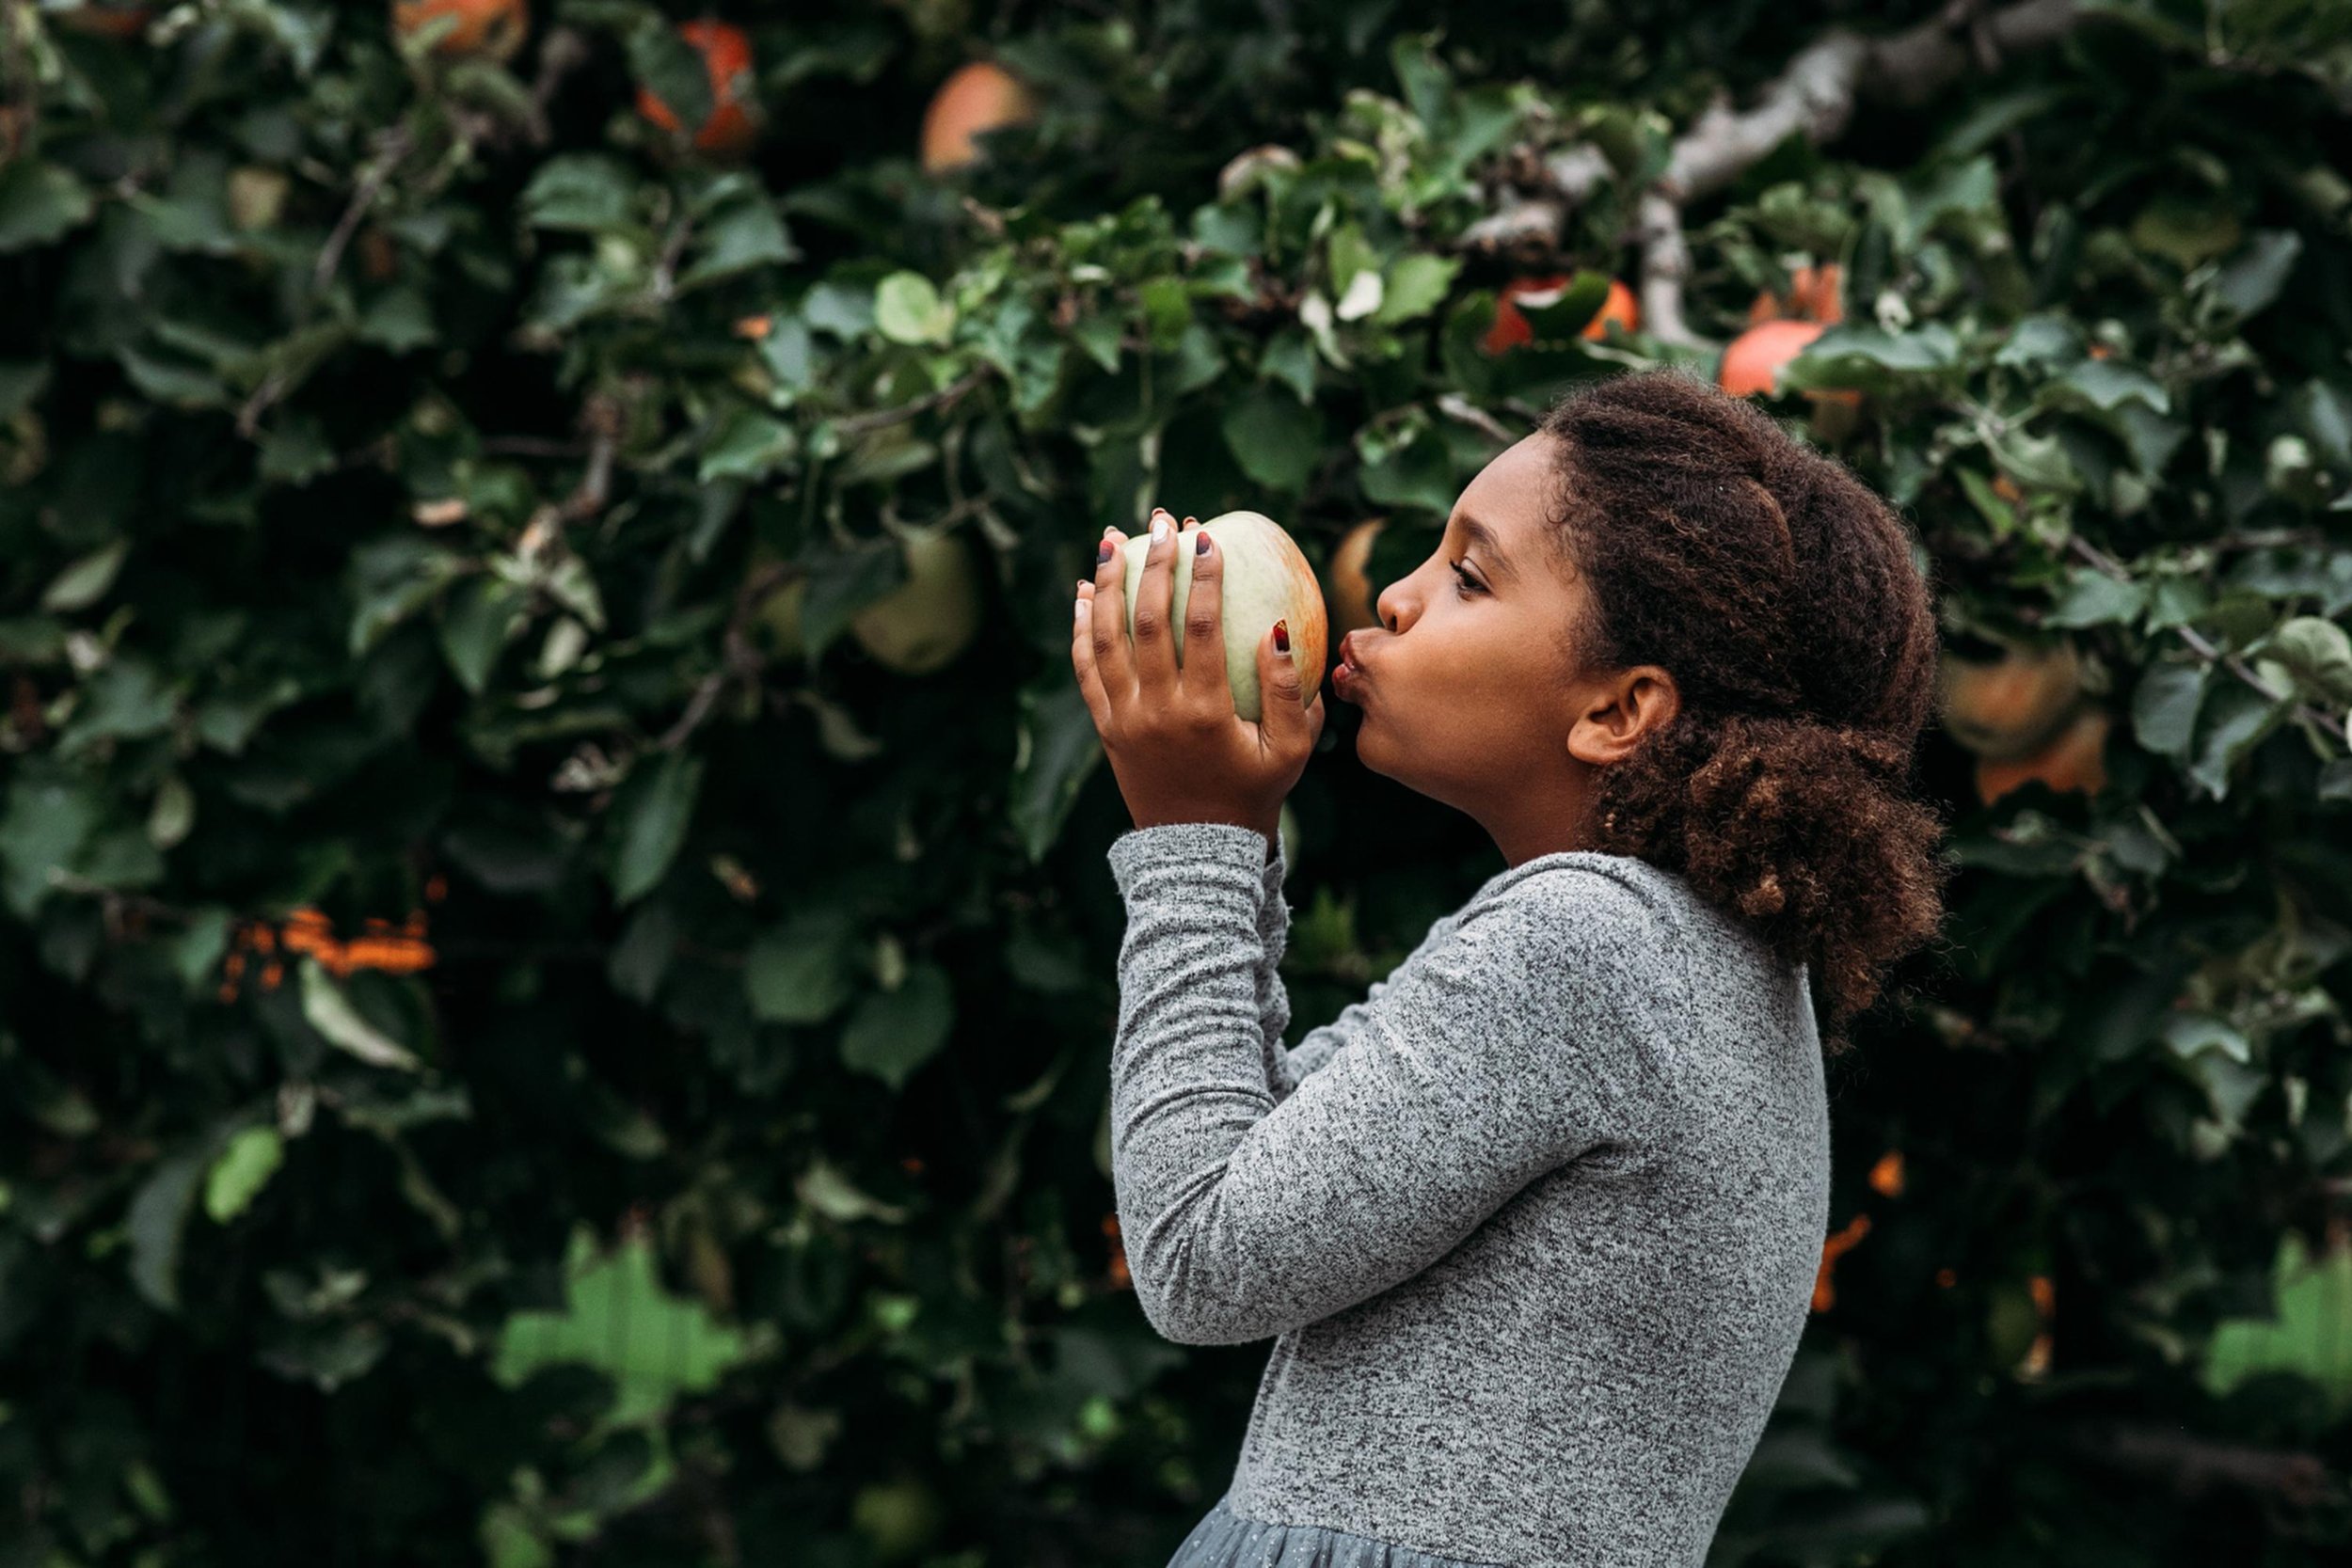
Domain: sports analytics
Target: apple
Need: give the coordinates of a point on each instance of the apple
(492, 27)
(898, 1519)
(1353, 604)
(2073, 764)
(924, 623)
(1267, 579)
(979, 98)
(777, 624)
(726, 52)
(2009, 708)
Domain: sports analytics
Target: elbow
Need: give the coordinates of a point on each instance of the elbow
(1191, 1317)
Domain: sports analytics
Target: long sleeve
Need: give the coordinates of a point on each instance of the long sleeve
(1516, 1042)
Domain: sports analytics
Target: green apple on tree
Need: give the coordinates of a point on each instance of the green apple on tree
(924, 623)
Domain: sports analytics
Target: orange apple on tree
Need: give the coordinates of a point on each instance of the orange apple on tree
(495, 28)
(981, 96)
(1511, 328)
(726, 52)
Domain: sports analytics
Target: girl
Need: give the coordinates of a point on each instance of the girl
(1535, 1226)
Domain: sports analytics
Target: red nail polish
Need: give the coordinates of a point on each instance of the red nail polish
(1281, 637)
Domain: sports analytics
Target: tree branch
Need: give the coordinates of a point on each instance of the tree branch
(2204, 649)
(2193, 1463)
(1814, 96)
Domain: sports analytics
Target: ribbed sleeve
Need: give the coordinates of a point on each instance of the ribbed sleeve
(1516, 1042)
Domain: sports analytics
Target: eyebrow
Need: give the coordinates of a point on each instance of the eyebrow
(1485, 539)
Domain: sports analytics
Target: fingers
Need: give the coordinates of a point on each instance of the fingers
(1082, 659)
(1281, 712)
(1154, 637)
(1114, 661)
(1203, 672)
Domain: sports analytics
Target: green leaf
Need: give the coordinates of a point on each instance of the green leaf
(480, 615)
(673, 70)
(892, 1033)
(2092, 598)
(652, 809)
(801, 972)
(1417, 284)
(746, 444)
(157, 1221)
(2308, 1335)
(1289, 359)
(843, 581)
(749, 235)
(243, 1169)
(2320, 655)
(2234, 719)
(329, 1010)
(1055, 749)
(2250, 280)
(586, 191)
(38, 204)
(21, 382)
(2164, 707)
(2102, 384)
(618, 1318)
(1276, 440)
(908, 310)
(86, 581)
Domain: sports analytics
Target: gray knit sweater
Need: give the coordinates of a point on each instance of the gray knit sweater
(1535, 1226)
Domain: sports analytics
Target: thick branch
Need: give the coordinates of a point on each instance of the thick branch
(1815, 97)
(2193, 1463)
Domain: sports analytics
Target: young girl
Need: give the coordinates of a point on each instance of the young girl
(1535, 1226)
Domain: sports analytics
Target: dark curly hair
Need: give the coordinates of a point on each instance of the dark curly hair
(1783, 596)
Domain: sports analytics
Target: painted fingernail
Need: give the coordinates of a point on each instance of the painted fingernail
(1281, 637)
(1201, 547)
(1103, 554)
(1159, 528)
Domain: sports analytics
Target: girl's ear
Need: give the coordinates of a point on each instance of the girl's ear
(1637, 703)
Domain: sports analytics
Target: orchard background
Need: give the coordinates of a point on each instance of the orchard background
(557, 958)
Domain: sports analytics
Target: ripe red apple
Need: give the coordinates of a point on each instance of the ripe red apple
(1267, 579)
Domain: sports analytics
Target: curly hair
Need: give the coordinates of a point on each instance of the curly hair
(1783, 596)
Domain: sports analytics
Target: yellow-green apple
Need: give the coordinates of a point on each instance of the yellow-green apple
(1267, 579)
(925, 622)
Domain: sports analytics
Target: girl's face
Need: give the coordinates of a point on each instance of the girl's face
(1464, 693)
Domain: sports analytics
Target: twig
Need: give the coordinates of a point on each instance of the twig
(1454, 405)
(1665, 263)
(563, 52)
(391, 147)
(882, 418)
(2204, 649)
(602, 419)
(737, 658)
(2195, 1462)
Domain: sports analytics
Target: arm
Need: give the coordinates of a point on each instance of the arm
(1516, 1043)
(1285, 1067)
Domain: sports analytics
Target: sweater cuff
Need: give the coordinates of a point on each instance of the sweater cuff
(1136, 855)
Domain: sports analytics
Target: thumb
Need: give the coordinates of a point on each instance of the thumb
(1280, 712)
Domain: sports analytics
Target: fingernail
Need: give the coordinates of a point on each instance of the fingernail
(1159, 526)
(1103, 554)
(1281, 637)
(1202, 548)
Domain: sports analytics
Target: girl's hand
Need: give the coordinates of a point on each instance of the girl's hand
(1180, 752)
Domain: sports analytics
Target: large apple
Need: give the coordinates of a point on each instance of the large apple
(1267, 579)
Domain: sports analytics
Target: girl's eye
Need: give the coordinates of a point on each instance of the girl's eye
(1469, 584)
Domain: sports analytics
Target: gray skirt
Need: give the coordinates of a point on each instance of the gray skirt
(1223, 1539)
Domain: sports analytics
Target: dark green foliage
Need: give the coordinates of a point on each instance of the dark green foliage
(401, 462)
